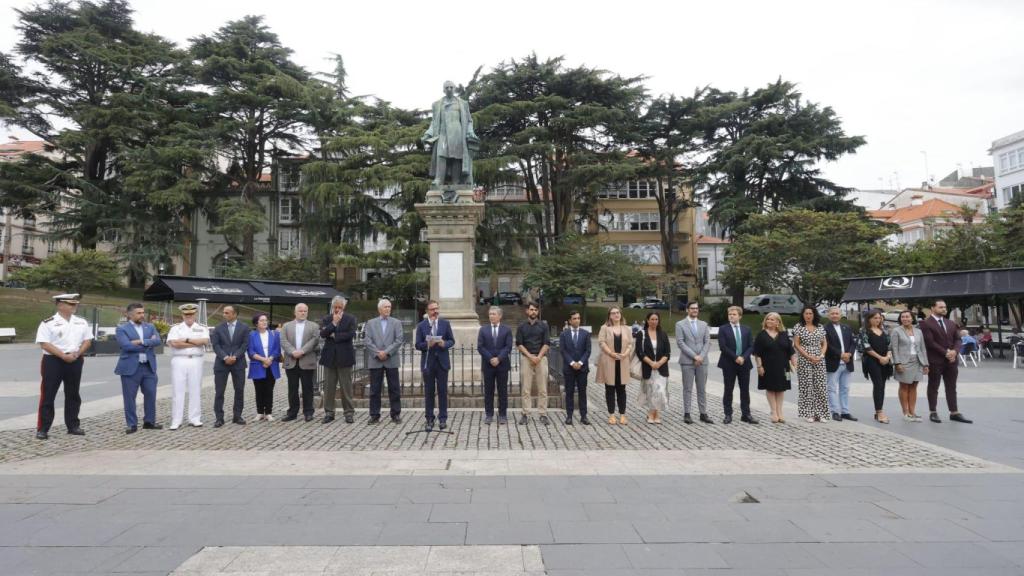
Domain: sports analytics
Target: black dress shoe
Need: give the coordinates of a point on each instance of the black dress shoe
(218, 423)
(704, 418)
(40, 435)
(239, 421)
(131, 430)
(934, 417)
(442, 424)
(958, 417)
(308, 417)
(727, 419)
(543, 419)
(584, 421)
(502, 420)
(349, 418)
(151, 426)
(80, 432)
(687, 419)
(429, 426)
(568, 420)
(849, 417)
(837, 417)
(289, 417)
(328, 418)
(488, 420)
(373, 420)
(748, 419)
(522, 420)
(396, 419)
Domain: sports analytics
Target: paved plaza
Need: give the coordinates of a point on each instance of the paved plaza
(307, 498)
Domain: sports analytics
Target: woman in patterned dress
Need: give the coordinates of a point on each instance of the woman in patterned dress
(810, 343)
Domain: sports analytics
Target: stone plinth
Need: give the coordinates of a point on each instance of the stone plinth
(452, 216)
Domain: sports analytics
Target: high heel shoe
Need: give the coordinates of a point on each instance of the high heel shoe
(881, 418)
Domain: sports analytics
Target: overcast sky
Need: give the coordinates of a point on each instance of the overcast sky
(926, 82)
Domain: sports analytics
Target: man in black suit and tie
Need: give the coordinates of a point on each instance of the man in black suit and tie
(494, 342)
(338, 356)
(230, 339)
(736, 344)
(575, 346)
(839, 365)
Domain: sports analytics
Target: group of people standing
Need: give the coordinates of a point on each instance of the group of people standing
(821, 355)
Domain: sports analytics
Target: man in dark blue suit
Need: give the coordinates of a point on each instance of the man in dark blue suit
(433, 339)
(137, 368)
(575, 346)
(736, 343)
(230, 340)
(494, 342)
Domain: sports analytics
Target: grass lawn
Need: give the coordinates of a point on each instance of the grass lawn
(23, 309)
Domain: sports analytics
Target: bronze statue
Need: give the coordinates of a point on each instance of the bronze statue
(453, 140)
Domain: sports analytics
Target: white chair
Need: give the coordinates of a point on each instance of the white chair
(969, 352)
(1018, 354)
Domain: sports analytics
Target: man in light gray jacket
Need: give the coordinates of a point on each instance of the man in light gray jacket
(384, 340)
(300, 340)
(694, 340)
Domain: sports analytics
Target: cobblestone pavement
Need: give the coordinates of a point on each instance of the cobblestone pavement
(841, 445)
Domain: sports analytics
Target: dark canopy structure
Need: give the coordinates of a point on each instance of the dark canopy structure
(235, 291)
(965, 284)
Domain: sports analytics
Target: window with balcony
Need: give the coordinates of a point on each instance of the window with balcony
(629, 221)
(630, 190)
(52, 246)
(26, 245)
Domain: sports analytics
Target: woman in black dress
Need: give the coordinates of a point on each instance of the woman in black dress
(776, 359)
(877, 360)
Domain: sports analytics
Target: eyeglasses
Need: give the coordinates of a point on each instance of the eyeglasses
(432, 309)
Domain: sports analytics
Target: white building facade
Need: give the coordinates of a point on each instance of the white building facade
(1008, 156)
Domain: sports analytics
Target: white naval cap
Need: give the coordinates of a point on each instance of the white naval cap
(70, 298)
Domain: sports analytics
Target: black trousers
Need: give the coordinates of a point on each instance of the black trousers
(304, 377)
(54, 372)
(377, 376)
(878, 377)
(264, 394)
(613, 394)
(220, 383)
(576, 384)
(495, 378)
(730, 376)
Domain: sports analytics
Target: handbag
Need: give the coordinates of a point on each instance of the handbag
(659, 392)
(636, 370)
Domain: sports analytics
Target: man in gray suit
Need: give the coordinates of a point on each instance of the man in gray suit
(383, 341)
(230, 339)
(694, 340)
(300, 339)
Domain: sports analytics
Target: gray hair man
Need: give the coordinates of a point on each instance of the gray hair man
(338, 356)
(299, 343)
(384, 340)
(494, 343)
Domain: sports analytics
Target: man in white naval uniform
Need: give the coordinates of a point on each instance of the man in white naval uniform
(187, 340)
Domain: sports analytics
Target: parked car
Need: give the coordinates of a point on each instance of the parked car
(650, 302)
(508, 298)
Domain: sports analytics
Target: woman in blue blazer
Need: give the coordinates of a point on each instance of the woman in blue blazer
(264, 365)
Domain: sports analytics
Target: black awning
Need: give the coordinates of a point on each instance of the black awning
(965, 284)
(217, 290)
(288, 293)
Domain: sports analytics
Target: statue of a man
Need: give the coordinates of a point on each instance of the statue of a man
(451, 134)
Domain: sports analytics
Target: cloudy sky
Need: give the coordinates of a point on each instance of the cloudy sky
(928, 83)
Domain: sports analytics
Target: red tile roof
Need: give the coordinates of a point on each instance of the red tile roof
(931, 209)
(702, 239)
(17, 148)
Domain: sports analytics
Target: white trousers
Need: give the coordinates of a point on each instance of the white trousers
(186, 374)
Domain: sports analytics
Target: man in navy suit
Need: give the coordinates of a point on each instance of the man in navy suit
(494, 342)
(736, 343)
(137, 368)
(575, 346)
(433, 339)
(230, 340)
(839, 365)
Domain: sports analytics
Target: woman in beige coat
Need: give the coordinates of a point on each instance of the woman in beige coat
(616, 342)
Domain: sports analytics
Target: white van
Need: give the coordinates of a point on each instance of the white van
(779, 303)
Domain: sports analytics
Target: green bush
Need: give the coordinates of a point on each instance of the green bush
(718, 313)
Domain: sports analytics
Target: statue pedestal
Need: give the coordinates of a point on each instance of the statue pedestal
(452, 216)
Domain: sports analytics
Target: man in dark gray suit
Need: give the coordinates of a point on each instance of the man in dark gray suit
(230, 339)
(384, 339)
